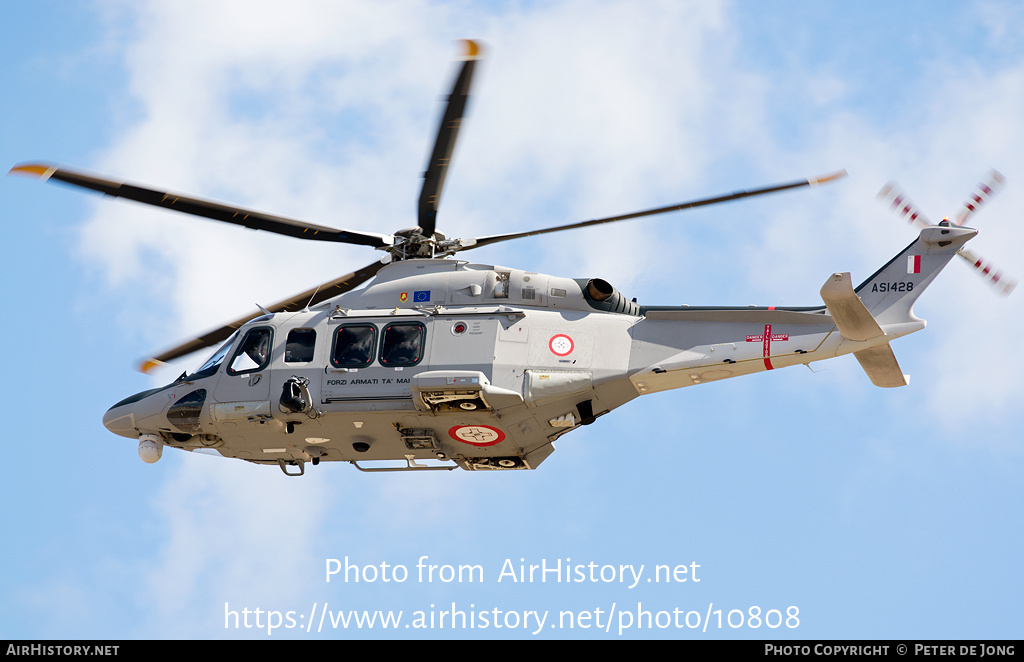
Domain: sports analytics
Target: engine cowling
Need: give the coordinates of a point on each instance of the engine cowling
(600, 294)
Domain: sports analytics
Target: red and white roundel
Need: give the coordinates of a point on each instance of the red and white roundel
(477, 435)
(561, 345)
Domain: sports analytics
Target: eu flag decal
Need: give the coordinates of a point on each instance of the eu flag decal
(421, 296)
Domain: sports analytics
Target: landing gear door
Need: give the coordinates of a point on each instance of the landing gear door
(375, 360)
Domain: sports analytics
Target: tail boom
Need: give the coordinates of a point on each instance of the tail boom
(675, 347)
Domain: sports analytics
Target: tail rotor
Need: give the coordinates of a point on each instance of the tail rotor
(892, 195)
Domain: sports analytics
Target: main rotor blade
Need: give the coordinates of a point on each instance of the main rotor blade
(814, 181)
(213, 210)
(437, 167)
(306, 299)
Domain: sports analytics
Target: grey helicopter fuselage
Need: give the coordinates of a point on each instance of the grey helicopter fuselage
(434, 359)
(483, 367)
(436, 363)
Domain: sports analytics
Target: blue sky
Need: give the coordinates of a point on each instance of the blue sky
(876, 513)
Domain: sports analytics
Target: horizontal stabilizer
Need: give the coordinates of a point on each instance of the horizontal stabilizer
(855, 323)
(848, 312)
(880, 364)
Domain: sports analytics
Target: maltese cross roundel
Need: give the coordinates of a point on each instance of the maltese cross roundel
(476, 435)
(561, 345)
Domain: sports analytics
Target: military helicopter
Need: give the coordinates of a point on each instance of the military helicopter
(436, 363)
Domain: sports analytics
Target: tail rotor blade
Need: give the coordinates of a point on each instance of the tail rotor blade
(996, 277)
(892, 195)
(985, 190)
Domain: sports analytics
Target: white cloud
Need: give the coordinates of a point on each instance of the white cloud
(236, 533)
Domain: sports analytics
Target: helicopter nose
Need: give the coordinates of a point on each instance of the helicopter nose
(120, 420)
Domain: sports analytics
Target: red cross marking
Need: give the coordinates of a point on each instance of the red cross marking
(766, 339)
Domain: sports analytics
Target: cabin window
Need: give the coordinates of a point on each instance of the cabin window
(501, 284)
(299, 346)
(253, 352)
(353, 346)
(402, 344)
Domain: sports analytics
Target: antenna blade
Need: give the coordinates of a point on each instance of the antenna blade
(812, 181)
(444, 144)
(253, 220)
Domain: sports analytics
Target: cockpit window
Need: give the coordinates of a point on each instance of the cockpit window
(299, 346)
(253, 352)
(402, 344)
(211, 364)
(353, 345)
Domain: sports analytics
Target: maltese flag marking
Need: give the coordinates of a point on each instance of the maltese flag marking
(913, 264)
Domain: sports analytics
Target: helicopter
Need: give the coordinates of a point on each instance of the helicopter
(420, 362)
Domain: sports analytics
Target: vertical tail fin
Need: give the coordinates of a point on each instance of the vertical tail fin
(890, 293)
